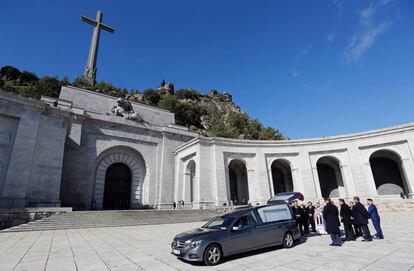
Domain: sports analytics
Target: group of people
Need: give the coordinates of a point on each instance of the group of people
(354, 217)
(305, 216)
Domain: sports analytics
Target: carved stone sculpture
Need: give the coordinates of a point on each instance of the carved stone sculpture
(124, 109)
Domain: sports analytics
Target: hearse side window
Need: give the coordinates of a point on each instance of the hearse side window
(274, 213)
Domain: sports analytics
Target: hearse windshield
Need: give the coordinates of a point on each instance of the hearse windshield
(219, 223)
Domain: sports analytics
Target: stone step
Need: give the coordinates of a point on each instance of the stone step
(93, 219)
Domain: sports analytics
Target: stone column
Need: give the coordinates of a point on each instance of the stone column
(407, 167)
(253, 185)
(348, 181)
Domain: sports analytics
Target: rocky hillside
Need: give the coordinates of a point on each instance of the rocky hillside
(211, 114)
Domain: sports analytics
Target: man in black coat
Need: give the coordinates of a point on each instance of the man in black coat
(304, 219)
(361, 216)
(345, 214)
(311, 212)
(296, 214)
(330, 214)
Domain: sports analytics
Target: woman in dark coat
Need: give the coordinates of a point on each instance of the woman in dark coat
(330, 214)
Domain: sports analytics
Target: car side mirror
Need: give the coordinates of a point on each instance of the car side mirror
(235, 228)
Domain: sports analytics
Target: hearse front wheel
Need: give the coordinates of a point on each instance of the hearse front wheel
(213, 255)
(288, 240)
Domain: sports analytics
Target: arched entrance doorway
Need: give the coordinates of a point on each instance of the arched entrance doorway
(388, 173)
(330, 177)
(281, 176)
(117, 191)
(239, 188)
(190, 174)
(138, 170)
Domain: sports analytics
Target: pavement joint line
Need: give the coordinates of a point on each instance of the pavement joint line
(94, 250)
(97, 236)
(50, 249)
(71, 250)
(77, 230)
(373, 262)
(24, 236)
(30, 247)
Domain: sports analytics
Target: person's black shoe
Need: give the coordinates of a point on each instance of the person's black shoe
(366, 240)
(332, 245)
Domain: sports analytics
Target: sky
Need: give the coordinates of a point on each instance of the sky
(308, 68)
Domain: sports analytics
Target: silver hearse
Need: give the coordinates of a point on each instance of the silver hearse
(236, 232)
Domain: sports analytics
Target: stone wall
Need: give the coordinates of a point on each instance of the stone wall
(112, 139)
(100, 103)
(351, 153)
(32, 160)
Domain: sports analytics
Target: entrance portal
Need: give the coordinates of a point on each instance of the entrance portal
(388, 174)
(330, 177)
(117, 191)
(239, 188)
(281, 176)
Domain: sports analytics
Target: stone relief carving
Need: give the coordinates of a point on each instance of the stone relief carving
(124, 109)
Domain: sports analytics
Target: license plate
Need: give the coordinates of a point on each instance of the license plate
(176, 252)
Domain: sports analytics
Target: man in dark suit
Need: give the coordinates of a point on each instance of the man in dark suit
(296, 214)
(375, 218)
(330, 214)
(361, 216)
(345, 213)
(304, 219)
(311, 212)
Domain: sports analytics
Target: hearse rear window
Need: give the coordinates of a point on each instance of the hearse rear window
(274, 213)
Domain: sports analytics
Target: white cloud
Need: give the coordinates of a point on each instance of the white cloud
(318, 89)
(339, 6)
(306, 50)
(299, 56)
(294, 73)
(330, 37)
(367, 32)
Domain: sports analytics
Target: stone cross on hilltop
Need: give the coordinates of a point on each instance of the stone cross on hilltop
(90, 69)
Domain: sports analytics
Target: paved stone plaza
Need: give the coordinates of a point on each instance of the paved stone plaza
(148, 248)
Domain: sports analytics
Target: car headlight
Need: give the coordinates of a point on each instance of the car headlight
(194, 243)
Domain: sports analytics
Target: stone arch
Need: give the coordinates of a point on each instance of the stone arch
(388, 172)
(190, 175)
(282, 176)
(330, 177)
(131, 158)
(239, 187)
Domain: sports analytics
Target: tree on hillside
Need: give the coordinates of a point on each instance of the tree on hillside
(152, 96)
(9, 73)
(47, 86)
(28, 77)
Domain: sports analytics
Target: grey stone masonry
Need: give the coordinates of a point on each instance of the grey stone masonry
(32, 166)
(100, 103)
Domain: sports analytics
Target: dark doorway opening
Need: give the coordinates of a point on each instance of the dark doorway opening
(281, 177)
(239, 187)
(388, 174)
(117, 192)
(330, 177)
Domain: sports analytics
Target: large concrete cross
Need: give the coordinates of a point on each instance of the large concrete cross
(90, 69)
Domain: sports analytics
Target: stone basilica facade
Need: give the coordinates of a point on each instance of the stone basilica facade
(72, 152)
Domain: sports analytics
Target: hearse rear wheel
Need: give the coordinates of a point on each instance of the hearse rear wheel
(212, 255)
(288, 240)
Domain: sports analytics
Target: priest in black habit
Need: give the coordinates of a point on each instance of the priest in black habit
(346, 213)
(331, 216)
